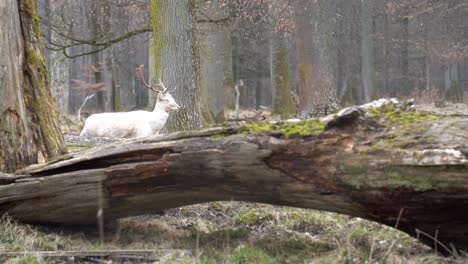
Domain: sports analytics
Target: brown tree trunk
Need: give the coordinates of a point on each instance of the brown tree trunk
(29, 129)
(372, 165)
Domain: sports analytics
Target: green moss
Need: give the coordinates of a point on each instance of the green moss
(405, 119)
(218, 136)
(403, 122)
(155, 17)
(410, 177)
(258, 127)
(30, 8)
(247, 254)
(254, 217)
(77, 147)
(398, 178)
(40, 100)
(218, 238)
(304, 128)
(354, 175)
(35, 59)
(287, 130)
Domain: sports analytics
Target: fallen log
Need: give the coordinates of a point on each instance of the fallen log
(380, 163)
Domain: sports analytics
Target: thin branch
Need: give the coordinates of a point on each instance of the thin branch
(95, 43)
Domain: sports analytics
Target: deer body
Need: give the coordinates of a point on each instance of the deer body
(132, 124)
(125, 125)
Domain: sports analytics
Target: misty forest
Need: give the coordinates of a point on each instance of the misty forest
(233, 131)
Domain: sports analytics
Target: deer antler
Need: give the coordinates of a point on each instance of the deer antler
(140, 76)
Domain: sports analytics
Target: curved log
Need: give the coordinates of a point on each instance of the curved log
(365, 163)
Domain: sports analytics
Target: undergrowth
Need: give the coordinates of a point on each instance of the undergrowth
(230, 232)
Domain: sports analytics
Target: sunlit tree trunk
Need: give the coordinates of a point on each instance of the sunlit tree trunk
(29, 129)
(177, 57)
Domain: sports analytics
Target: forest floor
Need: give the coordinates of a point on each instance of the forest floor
(225, 232)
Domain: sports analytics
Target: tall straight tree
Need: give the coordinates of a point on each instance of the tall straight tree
(29, 129)
(283, 103)
(94, 20)
(177, 60)
(215, 50)
(367, 49)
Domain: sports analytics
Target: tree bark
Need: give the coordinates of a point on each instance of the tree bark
(96, 57)
(364, 163)
(214, 52)
(29, 129)
(367, 50)
(59, 67)
(283, 102)
(177, 58)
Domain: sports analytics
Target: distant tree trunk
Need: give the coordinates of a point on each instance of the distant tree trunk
(29, 129)
(177, 57)
(113, 87)
(228, 85)
(305, 55)
(349, 61)
(214, 52)
(100, 96)
(367, 49)
(58, 63)
(152, 74)
(283, 103)
(385, 51)
(404, 58)
(316, 56)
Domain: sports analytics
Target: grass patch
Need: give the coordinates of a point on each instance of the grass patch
(254, 217)
(273, 235)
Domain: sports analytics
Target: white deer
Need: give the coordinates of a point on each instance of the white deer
(136, 123)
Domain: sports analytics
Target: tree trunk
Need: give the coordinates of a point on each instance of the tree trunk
(96, 57)
(214, 52)
(29, 129)
(305, 54)
(405, 84)
(367, 50)
(373, 164)
(58, 63)
(177, 58)
(283, 102)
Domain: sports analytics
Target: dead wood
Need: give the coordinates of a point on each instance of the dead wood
(368, 162)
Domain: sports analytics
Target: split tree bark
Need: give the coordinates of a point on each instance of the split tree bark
(371, 164)
(29, 128)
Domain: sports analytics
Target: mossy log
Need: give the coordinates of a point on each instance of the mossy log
(403, 169)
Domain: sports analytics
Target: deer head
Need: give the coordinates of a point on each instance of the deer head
(165, 100)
